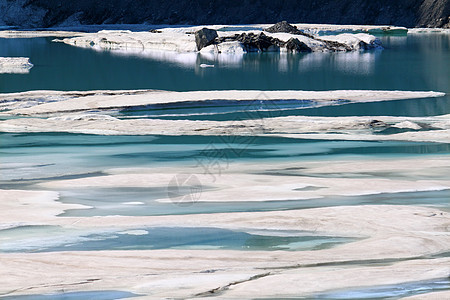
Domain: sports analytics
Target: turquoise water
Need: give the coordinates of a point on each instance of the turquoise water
(389, 292)
(27, 160)
(408, 63)
(91, 295)
(54, 238)
(30, 159)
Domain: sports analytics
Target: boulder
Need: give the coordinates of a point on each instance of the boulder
(377, 124)
(285, 27)
(205, 37)
(258, 42)
(295, 45)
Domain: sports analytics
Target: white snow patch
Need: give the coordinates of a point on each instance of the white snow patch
(18, 65)
(206, 66)
(134, 232)
(407, 125)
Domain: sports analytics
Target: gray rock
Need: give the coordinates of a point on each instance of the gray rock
(336, 46)
(285, 27)
(282, 26)
(295, 45)
(205, 37)
(48, 13)
(257, 42)
(377, 124)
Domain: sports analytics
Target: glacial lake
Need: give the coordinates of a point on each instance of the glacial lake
(413, 62)
(30, 160)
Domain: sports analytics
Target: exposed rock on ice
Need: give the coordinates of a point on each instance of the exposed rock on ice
(285, 27)
(352, 42)
(253, 39)
(205, 37)
(295, 45)
(18, 65)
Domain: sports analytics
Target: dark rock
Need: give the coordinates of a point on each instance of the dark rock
(336, 46)
(296, 46)
(155, 31)
(205, 37)
(377, 123)
(227, 38)
(47, 13)
(257, 42)
(285, 27)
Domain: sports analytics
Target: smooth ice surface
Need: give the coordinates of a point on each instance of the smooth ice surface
(15, 65)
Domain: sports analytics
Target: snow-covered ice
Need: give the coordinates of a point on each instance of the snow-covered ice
(17, 65)
(83, 101)
(183, 40)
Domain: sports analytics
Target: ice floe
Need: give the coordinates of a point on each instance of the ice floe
(241, 187)
(99, 112)
(330, 28)
(17, 65)
(11, 101)
(183, 40)
(30, 207)
(84, 101)
(35, 34)
(391, 235)
(427, 129)
(429, 31)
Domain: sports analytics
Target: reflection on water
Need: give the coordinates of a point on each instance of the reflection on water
(345, 62)
(414, 62)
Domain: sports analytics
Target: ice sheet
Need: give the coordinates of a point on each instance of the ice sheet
(17, 65)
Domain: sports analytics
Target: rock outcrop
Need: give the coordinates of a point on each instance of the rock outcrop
(205, 37)
(206, 40)
(285, 27)
(294, 45)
